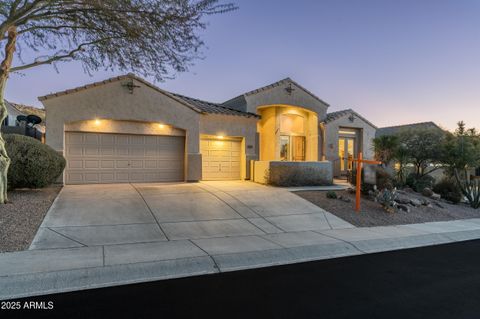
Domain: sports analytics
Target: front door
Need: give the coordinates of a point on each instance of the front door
(346, 151)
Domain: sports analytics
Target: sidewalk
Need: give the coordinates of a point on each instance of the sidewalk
(38, 272)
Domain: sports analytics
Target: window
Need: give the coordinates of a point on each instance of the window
(292, 148)
(292, 139)
(284, 148)
(292, 124)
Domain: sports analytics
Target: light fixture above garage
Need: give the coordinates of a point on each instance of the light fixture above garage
(161, 125)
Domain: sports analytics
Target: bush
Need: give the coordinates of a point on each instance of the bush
(288, 176)
(331, 195)
(384, 179)
(33, 164)
(449, 190)
(419, 183)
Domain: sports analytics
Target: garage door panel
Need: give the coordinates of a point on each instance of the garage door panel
(114, 158)
(220, 159)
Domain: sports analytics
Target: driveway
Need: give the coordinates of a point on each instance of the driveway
(97, 215)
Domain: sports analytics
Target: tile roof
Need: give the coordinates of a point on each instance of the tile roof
(332, 116)
(209, 107)
(392, 130)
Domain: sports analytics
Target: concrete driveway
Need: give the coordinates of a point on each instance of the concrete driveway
(97, 215)
(103, 235)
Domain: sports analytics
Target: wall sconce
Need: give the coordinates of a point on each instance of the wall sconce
(161, 126)
(97, 122)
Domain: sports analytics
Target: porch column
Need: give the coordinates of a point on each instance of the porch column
(324, 141)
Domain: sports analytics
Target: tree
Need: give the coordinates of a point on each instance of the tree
(462, 153)
(385, 147)
(152, 37)
(423, 147)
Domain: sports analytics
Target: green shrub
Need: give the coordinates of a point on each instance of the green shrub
(419, 183)
(331, 195)
(33, 164)
(449, 190)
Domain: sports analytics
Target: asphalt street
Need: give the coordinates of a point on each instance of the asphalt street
(430, 282)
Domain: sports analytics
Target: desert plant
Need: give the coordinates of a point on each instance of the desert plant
(33, 164)
(462, 152)
(384, 179)
(386, 198)
(470, 189)
(418, 183)
(331, 195)
(448, 190)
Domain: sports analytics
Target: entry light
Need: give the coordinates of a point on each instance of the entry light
(161, 125)
(97, 122)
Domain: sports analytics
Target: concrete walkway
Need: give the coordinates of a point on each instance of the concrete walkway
(100, 236)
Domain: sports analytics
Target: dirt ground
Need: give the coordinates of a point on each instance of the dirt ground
(22, 215)
(372, 214)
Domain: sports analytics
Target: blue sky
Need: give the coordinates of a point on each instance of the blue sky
(394, 62)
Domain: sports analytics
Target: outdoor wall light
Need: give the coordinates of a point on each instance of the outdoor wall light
(220, 137)
(97, 122)
(161, 126)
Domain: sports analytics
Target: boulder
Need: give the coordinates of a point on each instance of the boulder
(415, 202)
(402, 200)
(426, 202)
(405, 208)
(436, 196)
(427, 192)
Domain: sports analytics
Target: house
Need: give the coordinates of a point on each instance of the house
(13, 126)
(125, 129)
(394, 130)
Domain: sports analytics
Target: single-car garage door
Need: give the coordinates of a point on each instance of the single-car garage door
(123, 158)
(220, 159)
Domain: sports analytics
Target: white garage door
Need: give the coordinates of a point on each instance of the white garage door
(122, 158)
(220, 159)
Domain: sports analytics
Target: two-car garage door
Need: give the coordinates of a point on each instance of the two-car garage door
(123, 158)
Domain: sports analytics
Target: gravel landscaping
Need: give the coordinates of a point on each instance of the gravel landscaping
(21, 217)
(372, 214)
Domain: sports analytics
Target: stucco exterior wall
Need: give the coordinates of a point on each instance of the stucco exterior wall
(365, 135)
(278, 95)
(114, 101)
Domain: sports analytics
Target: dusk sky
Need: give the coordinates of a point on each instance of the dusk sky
(394, 62)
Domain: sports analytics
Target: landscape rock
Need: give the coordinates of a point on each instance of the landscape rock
(408, 190)
(436, 196)
(438, 204)
(427, 192)
(402, 200)
(426, 202)
(405, 208)
(415, 202)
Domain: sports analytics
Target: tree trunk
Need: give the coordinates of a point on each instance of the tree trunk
(4, 72)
